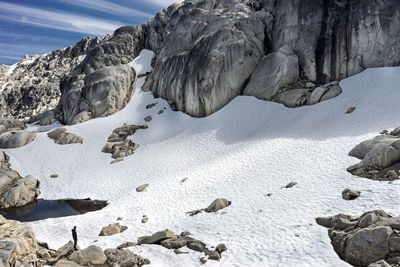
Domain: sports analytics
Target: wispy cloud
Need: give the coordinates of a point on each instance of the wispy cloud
(164, 3)
(55, 19)
(108, 7)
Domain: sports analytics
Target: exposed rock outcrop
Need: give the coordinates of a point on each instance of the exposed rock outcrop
(33, 87)
(16, 139)
(112, 229)
(380, 157)
(62, 137)
(365, 240)
(15, 191)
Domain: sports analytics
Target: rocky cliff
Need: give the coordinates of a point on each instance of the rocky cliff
(210, 51)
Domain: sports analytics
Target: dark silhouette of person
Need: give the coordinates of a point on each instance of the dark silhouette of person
(75, 237)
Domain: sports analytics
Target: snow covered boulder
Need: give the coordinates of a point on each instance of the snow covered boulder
(367, 239)
(16, 139)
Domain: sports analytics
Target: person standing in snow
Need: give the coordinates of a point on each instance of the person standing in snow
(75, 237)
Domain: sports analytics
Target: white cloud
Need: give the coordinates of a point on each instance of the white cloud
(164, 3)
(57, 19)
(108, 7)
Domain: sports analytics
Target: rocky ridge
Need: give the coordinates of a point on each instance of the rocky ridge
(208, 52)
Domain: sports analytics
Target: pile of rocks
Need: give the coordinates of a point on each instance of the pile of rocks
(62, 137)
(380, 157)
(366, 239)
(169, 240)
(125, 147)
(19, 247)
(15, 191)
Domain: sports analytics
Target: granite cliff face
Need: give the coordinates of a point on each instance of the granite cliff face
(208, 52)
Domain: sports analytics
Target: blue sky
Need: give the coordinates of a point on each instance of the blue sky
(40, 26)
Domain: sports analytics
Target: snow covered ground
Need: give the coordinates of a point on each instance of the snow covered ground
(248, 149)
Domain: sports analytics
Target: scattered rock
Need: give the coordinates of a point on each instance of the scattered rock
(124, 257)
(177, 251)
(61, 137)
(176, 242)
(349, 194)
(149, 106)
(16, 139)
(112, 229)
(290, 185)
(120, 150)
(127, 245)
(203, 260)
(148, 119)
(54, 176)
(221, 248)
(161, 111)
(156, 238)
(120, 218)
(184, 180)
(144, 219)
(350, 110)
(142, 188)
(218, 204)
(121, 133)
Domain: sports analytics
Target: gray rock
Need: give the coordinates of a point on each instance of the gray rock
(112, 229)
(142, 188)
(65, 263)
(61, 137)
(177, 242)
(147, 119)
(291, 184)
(121, 133)
(124, 258)
(90, 255)
(275, 71)
(157, 237)
(380, 263)
(102, 92)
(197, 246)
(350, 110)
(149, 106)
(368, 245)
(221, 248)
(7, 250)
(349, 194)
(120, 150)
(324, 221)
(17, 192)
(16, 139)
(218, 204)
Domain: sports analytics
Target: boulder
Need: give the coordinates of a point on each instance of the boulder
(16, 191)
(157, 237)
(120, 150)
(61, 137)
(142, 188)
(91, 255)
(349, 194)
(274, 71)
(65, 263)
(176, 242)
(218, 204)
(16, 139)
(121, 133)
(7, 253)
(112, 229)
(124, 258)
(367, 239)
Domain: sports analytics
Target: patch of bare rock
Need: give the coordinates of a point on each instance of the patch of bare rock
(372, 239)
(112, 229)
(62, 137)
(118, 145)
(380, 157)
(169, 240)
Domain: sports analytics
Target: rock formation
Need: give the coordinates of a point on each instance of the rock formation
(380, 157)
(207, 53)
(62, 137)
(365, 240)
(32, 86)
(15, 191)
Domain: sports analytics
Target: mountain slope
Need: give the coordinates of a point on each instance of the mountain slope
(247, 150)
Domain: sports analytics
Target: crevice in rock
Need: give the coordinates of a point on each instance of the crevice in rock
(321, 44)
